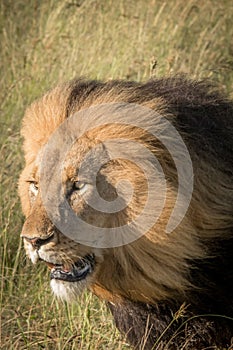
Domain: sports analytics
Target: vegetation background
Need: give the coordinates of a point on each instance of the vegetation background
(47, 41)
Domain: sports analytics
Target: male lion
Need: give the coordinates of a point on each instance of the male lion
(165, 289)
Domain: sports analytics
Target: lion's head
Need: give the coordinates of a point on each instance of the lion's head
(159, 260)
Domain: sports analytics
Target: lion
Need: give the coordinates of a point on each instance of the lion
(166, 290)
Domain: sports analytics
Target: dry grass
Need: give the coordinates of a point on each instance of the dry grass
(43, 42)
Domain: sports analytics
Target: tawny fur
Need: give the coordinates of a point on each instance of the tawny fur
(155, 275)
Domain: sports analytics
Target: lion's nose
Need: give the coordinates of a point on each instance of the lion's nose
(37, 242)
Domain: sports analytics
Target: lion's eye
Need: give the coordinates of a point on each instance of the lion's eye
(79, 186)
(33, 188)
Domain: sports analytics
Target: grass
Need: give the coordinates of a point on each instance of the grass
(45, 42)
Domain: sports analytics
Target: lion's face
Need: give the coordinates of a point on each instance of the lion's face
(72, 265)
(75, 266)
(76, 257)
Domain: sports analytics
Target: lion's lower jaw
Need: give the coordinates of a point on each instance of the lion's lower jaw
(67, 291)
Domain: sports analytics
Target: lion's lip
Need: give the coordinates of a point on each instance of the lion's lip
(50, 265)
(76, 272)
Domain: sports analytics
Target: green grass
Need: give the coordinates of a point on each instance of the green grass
(45, 42)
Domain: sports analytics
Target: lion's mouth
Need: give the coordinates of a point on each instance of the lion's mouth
(77, 272)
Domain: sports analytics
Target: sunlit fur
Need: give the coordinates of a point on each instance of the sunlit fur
(158, 267)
